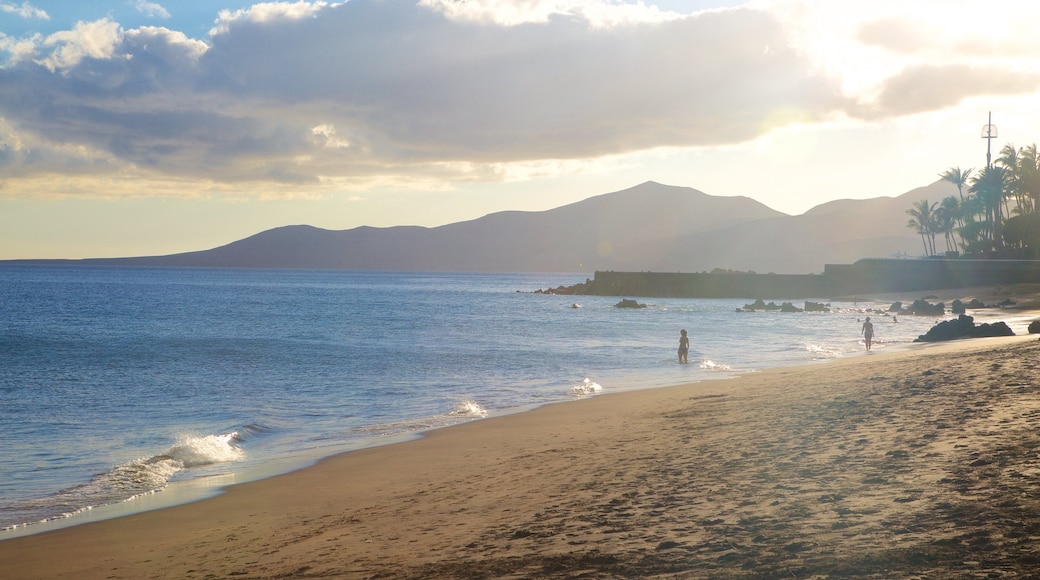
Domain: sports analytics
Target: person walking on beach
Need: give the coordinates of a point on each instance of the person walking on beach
(684, 346)
(868, 332)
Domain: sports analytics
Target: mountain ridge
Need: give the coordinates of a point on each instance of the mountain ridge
(650, 226)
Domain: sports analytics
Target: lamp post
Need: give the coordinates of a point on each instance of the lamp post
(989, 133)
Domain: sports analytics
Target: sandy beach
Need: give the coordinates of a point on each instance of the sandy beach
(922, 463)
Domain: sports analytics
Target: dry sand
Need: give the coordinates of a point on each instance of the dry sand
(923, 463)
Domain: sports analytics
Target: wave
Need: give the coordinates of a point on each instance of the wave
(468, 408)
(586, 387)
(710, 365)
(135, 478)
(818, 351)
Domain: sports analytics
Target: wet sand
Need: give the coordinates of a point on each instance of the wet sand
(923, 463)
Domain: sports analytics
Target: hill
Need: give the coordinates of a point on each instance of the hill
(647, 227)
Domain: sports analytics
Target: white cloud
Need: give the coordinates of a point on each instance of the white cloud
(326, 135)
(19, 49)
(25, 10)
(95, 39)
(268, 12)
(150, 9)
(598, 13)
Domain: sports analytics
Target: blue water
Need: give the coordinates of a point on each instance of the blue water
(119, 382)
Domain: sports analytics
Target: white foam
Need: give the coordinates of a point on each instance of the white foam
(818, 351)
(710, 365)
(192, 451)
(586, 387)
(468, 409)
(138, 477)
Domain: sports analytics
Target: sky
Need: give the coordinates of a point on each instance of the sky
(131, 128)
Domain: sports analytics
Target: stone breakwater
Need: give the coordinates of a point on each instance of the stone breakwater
(864, 276)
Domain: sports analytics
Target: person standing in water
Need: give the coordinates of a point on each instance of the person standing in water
(868, 332)
(684, 346)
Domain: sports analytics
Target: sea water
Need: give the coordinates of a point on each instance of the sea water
(120, 386)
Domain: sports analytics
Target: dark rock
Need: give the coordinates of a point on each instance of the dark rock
(896, 307)
(756, 305)
(964, 327)
(999, 328)
(816, 307)
(975, 304)
(788, 307)
(957, 307)
(628, 303)
(1034, 327)
(922, 307)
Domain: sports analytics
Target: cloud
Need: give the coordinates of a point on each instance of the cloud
(150, 9)
(95, 40)
(269, 12)
(598, 13)
(377, 91)
(928, 88)
(25, 10)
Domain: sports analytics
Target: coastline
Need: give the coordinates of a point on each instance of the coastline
(873, 464)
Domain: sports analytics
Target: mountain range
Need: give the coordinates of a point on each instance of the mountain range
(649, 227)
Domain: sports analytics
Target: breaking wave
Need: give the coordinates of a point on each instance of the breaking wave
(136, 477)
(586, 387)
(710, 365)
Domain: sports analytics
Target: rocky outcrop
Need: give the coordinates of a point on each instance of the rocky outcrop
(1034, 327)
(964, 327)
(629, 303)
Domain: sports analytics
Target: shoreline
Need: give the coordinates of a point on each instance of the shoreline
(189, 491)
(644, 482)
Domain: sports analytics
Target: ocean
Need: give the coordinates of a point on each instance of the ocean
(126, 389)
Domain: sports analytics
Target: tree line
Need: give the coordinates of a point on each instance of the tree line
(996, 212)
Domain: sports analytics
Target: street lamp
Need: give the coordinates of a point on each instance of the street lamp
(989, 133)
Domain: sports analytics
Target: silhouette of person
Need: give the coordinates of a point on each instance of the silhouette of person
(684, 346)
(868, 332)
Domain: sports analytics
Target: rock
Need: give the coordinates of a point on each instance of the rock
(896, 307)
(964, 327)
(957, 307)
(816, 307)
(922, 307)
(628, 303)
(1034, 327)
(788, 307)
(756, 305)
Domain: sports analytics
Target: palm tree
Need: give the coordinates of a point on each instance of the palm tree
(957, 177)
(922, 220)
(1028, 177)
(1008, 160)
(949, 219)
(988, 189)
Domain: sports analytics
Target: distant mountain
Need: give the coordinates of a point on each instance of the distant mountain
(836, 232)
(647, 227)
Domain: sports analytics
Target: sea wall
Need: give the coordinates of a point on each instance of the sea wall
(877, 275)
(863, 277)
